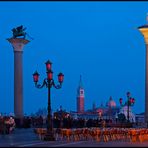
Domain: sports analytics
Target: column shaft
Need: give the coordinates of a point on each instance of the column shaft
(18, 84)
(146, 86)
(18, 45)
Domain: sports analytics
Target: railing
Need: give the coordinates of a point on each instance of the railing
(98, 134)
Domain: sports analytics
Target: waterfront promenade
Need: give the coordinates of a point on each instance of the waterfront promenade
(27, 138)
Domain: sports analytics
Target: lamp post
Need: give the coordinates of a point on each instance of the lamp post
(48, 83)
(130, 102)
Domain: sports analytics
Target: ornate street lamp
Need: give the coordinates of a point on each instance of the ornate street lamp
(130, 102)
(48, 65)
(60, 77)
(48, 83)
(36, 77)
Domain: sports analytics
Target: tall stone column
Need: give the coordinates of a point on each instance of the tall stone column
(18, 45)
(144, 31)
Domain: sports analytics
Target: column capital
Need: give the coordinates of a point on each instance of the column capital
(144, 32)
(18, 43)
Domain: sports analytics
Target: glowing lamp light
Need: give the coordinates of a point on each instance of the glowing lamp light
(120, 100)
(36, 76)
(49, 75)
(100, 113)
(48, 65)
(133, 100)
(60, 77)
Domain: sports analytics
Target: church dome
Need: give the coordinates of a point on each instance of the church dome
(111, 102)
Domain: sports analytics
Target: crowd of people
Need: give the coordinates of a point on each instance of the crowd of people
(79, 123)
(7, 124)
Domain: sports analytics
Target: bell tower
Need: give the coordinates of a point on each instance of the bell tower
(80, 97)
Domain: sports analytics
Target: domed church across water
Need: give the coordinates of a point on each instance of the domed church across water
(108, 111)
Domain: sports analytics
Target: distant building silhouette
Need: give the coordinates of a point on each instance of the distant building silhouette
(80, 97)
(109, 111)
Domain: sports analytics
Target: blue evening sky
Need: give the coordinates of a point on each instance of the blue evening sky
(98, 40)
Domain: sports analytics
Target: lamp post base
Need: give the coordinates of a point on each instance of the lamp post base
(49, 137)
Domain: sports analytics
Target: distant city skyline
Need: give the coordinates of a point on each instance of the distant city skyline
(98, 40)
